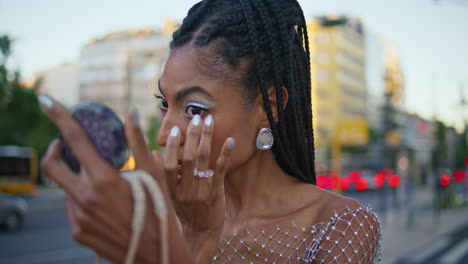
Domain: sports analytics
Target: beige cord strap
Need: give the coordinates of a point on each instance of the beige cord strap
(139, 210)
(139, 179)
(160, 210)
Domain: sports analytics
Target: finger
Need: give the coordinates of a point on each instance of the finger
(93, 239)
(74, 227)
(73, 134)
(167, 187)
(53, 166)
(157, 158)
(137, 142)
(89, 233)
(222, 165)
(170, 157)
(192, 139)
(203, 155)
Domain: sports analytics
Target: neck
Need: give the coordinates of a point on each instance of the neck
(256, 189)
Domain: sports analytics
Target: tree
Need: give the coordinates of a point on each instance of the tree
(152, 132)
(22, 122)
(462, 149)
(441, 149)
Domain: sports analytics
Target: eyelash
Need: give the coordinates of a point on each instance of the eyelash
(200, 108)
(197, 106)
(163, 105)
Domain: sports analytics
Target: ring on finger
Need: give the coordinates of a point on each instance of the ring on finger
(203, 174)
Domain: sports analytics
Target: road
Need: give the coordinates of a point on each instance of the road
(451, 248)
(45, 238)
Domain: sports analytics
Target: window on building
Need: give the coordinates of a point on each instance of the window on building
(321, 38)
(321, 92)
(322, 75)
(321, 57)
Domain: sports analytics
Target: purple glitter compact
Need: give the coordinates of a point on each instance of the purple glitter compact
(105, 131)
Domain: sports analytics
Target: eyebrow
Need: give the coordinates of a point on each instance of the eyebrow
(180, 95)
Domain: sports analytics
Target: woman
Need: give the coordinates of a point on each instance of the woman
(238, 171)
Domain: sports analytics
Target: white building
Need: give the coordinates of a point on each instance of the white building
(121, 70)
(375, 78)
(61, 82)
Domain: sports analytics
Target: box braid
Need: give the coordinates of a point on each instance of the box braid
(270, 37)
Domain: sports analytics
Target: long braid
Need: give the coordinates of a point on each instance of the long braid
(309, 115)
(277, 61)
(259, 65)
(272, 36)
(297, 103)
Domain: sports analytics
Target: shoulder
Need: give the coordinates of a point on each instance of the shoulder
(345, 212)
(352, 237)
(350, 232)
(325, 204)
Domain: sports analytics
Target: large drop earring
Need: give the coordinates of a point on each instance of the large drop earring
(265, 139)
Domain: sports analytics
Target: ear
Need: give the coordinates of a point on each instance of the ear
(273, 103)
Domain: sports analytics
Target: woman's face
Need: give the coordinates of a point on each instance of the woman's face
(186, 89)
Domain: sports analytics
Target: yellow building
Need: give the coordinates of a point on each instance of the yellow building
(339, 92)
(394, 79)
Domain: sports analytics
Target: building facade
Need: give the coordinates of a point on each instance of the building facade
(61, 82)
(339, 90)
(121, 70)
(375, 76)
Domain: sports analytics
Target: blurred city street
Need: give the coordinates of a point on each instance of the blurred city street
(421, 237)
(388, 93)
(45, 236)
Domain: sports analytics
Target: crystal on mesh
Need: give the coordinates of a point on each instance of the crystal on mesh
(353, 236)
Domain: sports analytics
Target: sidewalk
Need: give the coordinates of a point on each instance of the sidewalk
(401, 235)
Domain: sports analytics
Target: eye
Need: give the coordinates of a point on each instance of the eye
(163, 105)
(193, 109)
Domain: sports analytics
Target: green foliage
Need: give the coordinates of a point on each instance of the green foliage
(22, 122)
(462, 149)
(19, 115)
(152, 133)
(5, 47)
(441, 138)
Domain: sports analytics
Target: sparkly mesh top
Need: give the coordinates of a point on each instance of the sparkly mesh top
(351, 237)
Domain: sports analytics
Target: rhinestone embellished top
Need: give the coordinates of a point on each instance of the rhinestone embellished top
(351, 237)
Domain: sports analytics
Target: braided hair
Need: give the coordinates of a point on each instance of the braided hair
(267, 41)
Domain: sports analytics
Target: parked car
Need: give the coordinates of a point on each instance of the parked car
(12, 211)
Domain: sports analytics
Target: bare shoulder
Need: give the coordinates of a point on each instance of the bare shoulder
(352, 233)
(322, 204)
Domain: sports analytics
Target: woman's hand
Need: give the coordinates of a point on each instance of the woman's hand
(199, 200)
(99, 207)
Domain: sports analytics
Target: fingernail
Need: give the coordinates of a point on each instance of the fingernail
(136, 116)
(209, 120)
(45, 101)
(196, 120)
(230, 143)
(174, 131)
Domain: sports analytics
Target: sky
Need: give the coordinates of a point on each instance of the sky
(430, 36)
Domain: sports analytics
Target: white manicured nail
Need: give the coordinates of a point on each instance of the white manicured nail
(209, 120)
(230, 143)
(45, 101)
(196, 120)
(136, 116)
(175, 131)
